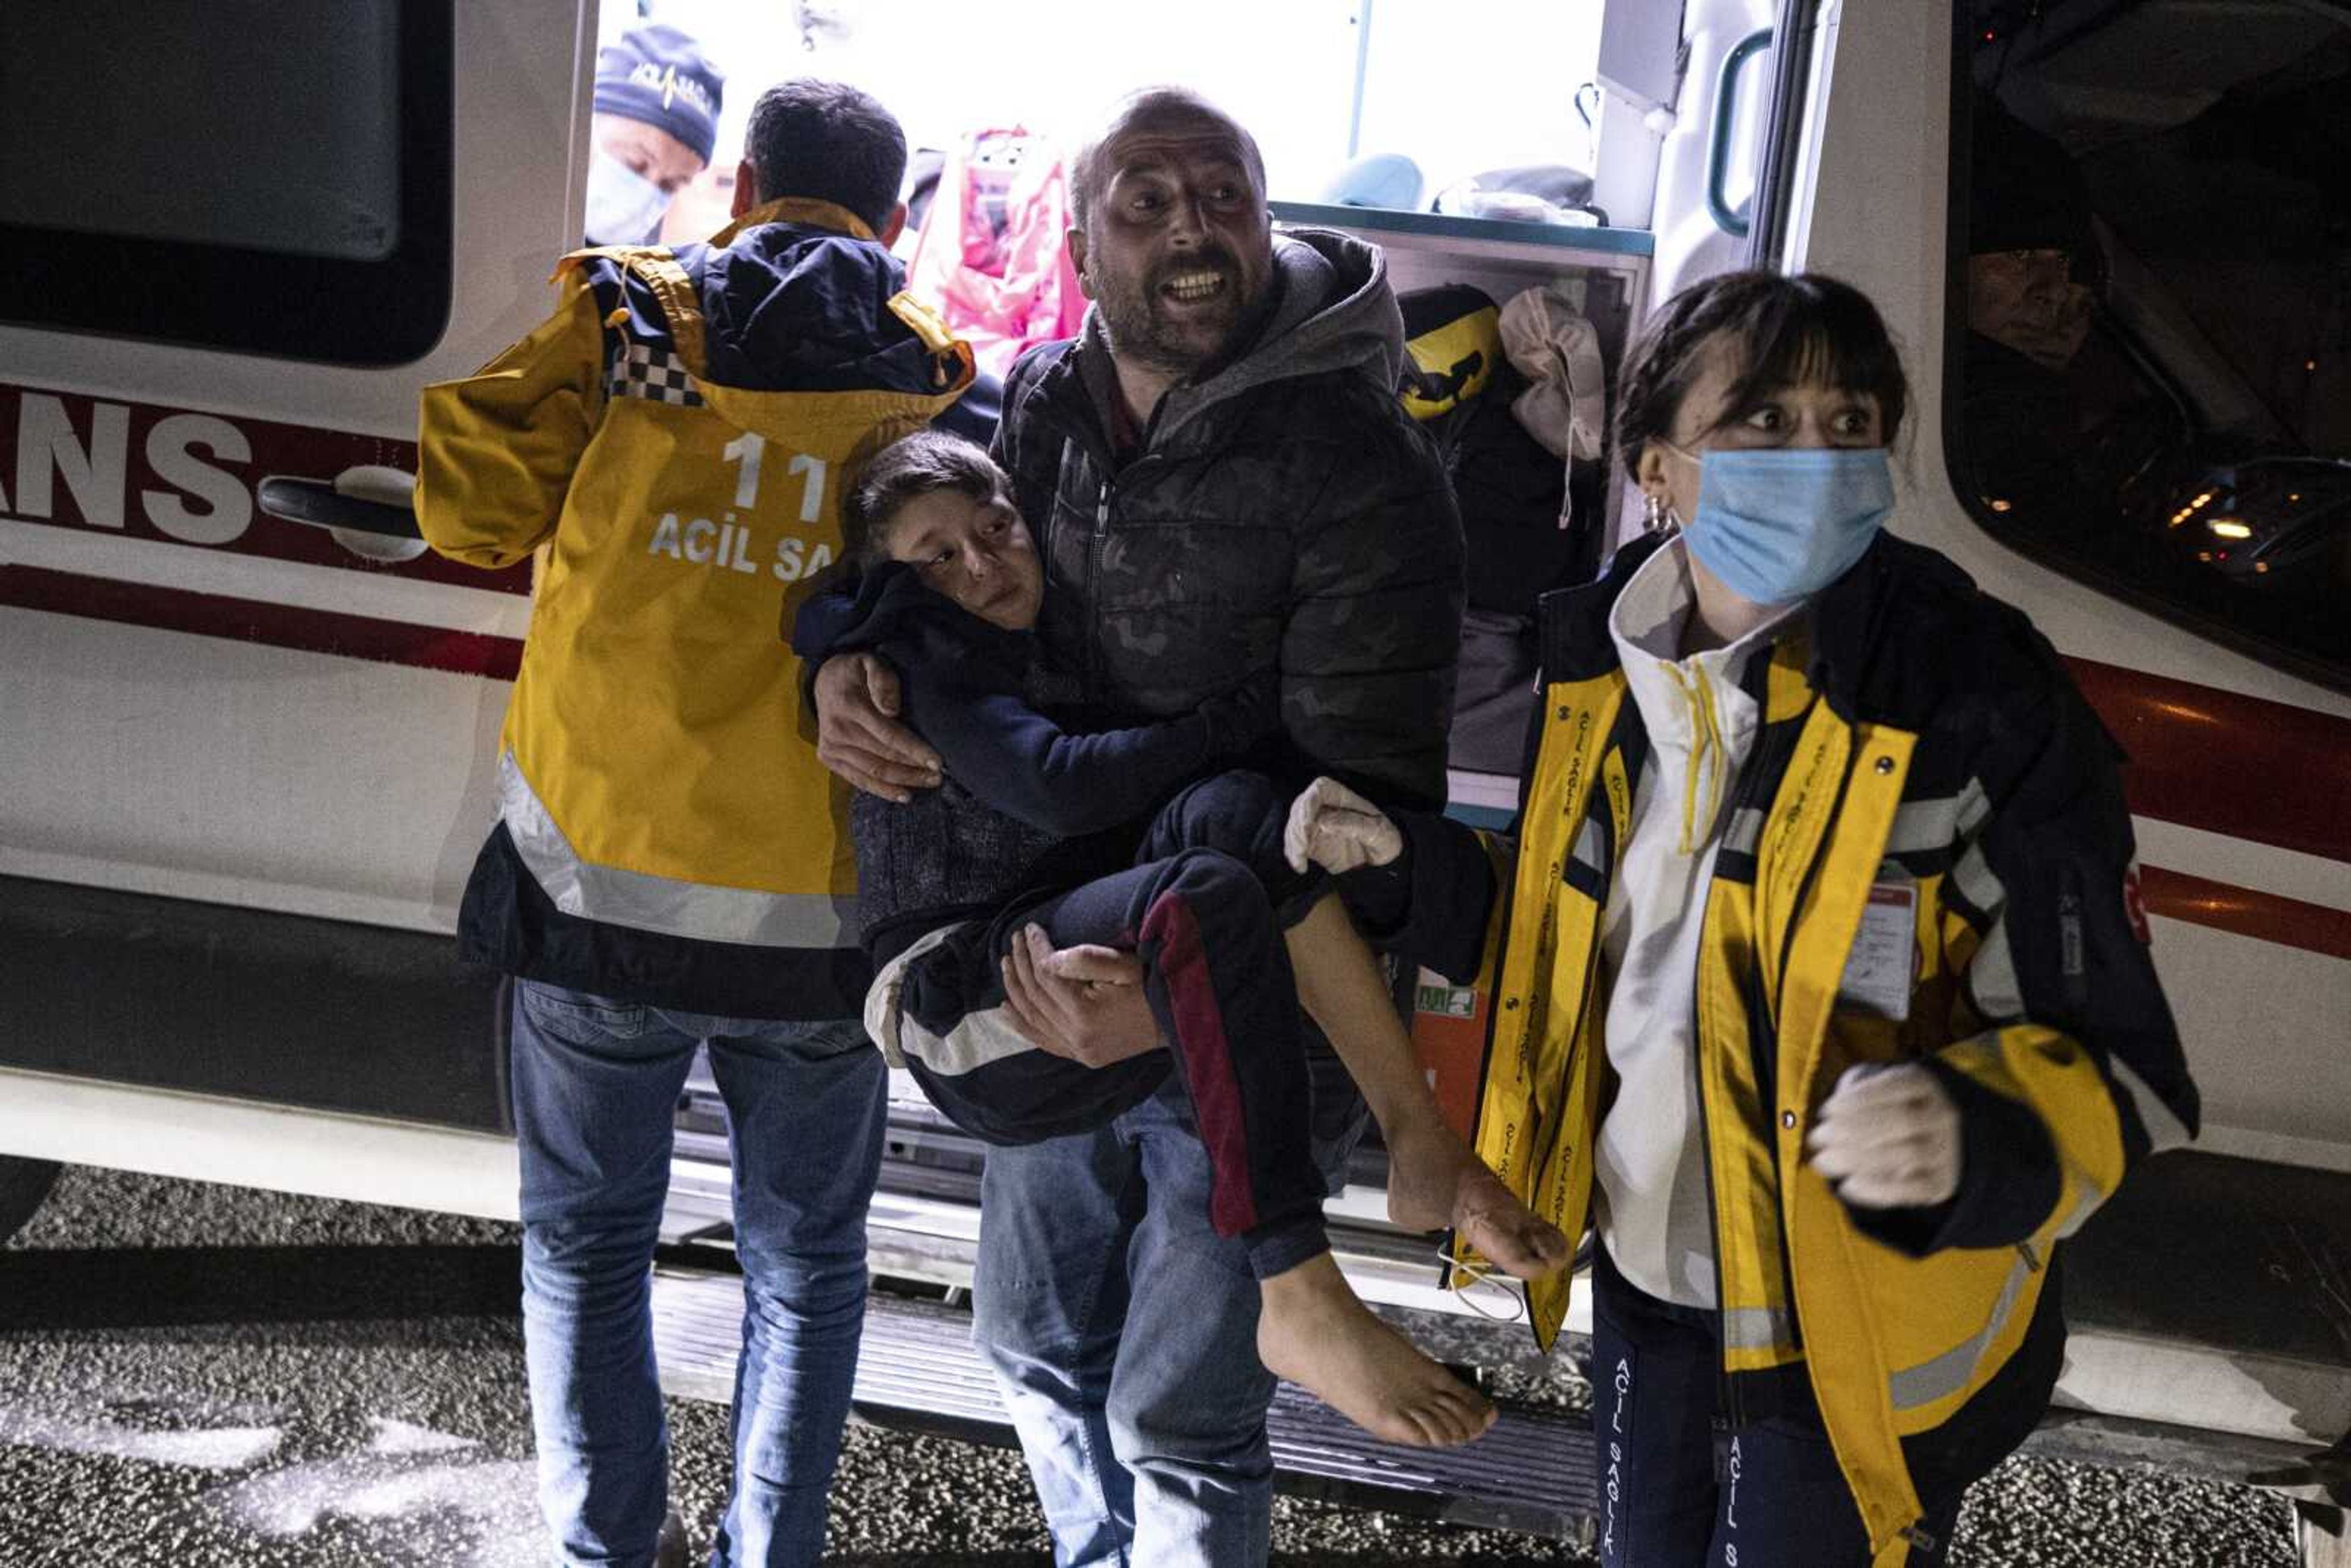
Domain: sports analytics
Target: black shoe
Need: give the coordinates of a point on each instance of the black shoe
(670, 1550)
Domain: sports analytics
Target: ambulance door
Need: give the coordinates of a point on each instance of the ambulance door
(236, 240)
(2109, 240)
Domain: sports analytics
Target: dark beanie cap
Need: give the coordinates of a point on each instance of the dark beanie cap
(658, 75)
(2026, 192)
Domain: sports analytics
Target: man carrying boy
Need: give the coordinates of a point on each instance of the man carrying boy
(670, 867)
(1223, 487)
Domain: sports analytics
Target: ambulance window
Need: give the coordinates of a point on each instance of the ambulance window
(264, 176)
(2150, 382)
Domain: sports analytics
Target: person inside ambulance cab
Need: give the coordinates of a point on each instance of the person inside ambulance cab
(1820, 986)
(656, 123)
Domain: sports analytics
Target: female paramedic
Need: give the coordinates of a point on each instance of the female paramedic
(1819, 975)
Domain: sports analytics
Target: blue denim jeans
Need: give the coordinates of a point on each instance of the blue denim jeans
(596, 1083)
(1122, 1331)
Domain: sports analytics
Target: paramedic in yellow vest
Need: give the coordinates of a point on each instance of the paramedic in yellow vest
(1819, 982)
(670, 866)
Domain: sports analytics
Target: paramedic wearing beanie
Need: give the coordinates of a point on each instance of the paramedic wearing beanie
(1837, 859)
(671, 868)
(1224, 490)
(656, 123)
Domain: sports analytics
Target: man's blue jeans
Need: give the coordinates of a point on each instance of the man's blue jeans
(1122, 1331)
(596, 1083)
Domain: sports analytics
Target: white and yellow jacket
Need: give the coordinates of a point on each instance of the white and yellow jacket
(677, 438)
(1922, 759)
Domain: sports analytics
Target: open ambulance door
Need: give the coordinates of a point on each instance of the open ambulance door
(2109, 239)
(245, 763)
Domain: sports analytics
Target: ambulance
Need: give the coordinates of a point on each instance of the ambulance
(248, 725)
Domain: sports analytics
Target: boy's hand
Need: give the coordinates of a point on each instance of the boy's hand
(858, 736)
(1338, 830)
(1083, 1003)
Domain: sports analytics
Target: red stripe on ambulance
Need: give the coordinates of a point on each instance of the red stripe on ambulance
(250, 621)
(188, 478)
(2226, 763)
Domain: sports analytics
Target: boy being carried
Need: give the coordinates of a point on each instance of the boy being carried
(1035, 829)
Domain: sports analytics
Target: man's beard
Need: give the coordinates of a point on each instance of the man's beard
(1134, 322)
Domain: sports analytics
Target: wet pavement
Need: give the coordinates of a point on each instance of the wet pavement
(203, 1377)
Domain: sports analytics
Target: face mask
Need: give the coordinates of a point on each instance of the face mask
(1780, 525)
(624, 206)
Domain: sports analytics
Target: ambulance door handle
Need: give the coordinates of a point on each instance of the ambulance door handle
(365, 508)
(1728, 220)
(320, 504)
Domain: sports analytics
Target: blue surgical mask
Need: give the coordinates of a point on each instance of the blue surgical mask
(1781, 524)
(624, 206)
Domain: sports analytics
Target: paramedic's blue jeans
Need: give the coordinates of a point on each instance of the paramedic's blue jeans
(1123, 1334)
(595, 1085)
(1676, 1493)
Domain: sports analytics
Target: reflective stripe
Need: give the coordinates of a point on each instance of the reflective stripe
(2165, 1130)
(1746, 830)
(2087, 1199)
(976, 1039)
(1954, 1369)
(1978, 883)
(646, 903)
(1757, 1328)
(1993, 990)
(1923, 826)
(1588, 852)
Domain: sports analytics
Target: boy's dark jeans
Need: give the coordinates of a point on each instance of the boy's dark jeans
(1204, 908)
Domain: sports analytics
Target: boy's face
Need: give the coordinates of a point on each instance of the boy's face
(977, 553)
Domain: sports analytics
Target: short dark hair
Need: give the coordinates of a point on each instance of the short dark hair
(1087, 174)
(1785, 329)
(921, 464)
(825, 141)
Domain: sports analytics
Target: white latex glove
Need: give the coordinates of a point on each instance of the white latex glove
(1888, 1138)
(1338, 830)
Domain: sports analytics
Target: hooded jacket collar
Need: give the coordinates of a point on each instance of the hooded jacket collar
(795, 296)
(892, 603)
(1333, 311)
(1870, 634)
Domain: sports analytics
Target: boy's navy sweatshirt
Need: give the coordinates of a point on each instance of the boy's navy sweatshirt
(1027, 804)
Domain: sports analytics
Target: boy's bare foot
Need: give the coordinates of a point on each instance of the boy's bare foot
(1434, 1181)
(1314, 1332)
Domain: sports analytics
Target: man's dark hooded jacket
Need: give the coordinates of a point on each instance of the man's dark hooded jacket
(1281, 513)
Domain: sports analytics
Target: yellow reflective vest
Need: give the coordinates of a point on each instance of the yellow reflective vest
(676, 438)
(1926, 859)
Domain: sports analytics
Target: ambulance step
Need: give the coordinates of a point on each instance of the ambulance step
(1534, 1471)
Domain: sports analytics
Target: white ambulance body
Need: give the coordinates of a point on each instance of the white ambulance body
(245, 764)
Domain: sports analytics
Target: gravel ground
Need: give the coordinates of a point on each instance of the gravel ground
(204, 1377)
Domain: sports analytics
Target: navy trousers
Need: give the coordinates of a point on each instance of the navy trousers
(1677, 1489)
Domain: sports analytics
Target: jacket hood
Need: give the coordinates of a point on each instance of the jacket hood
(1334, 311)
(790, 307)
(794, 298)
(891, 605)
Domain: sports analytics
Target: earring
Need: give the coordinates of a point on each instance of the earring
(1653, 511)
